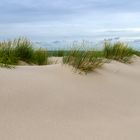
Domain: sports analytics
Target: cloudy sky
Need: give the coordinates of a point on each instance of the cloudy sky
(64, 19)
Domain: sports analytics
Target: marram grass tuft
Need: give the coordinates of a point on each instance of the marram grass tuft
(118, 51)
(83, 60)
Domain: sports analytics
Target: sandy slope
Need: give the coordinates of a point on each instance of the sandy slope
(53, 103)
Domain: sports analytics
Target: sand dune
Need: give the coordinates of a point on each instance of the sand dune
(54, 103)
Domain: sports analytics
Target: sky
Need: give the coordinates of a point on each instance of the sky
(66, 19)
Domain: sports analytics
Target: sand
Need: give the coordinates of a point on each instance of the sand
(54, 103)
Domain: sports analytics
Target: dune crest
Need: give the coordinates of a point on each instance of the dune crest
(52, 102)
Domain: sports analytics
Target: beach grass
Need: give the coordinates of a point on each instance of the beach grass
(83, 60)
(21, 49)
(80, 56)
(7, 54)
(118, 51)
(40, 57)
(7, 57)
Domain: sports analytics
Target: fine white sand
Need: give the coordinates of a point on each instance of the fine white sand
(54, 103)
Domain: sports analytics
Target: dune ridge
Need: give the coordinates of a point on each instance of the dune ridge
(52, 102)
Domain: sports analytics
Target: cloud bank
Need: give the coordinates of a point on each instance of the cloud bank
(64, 19)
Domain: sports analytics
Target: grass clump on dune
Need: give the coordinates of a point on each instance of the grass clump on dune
(21, 49)
(7, 54)
(40, 57)
(118, 51)
(83, 60)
